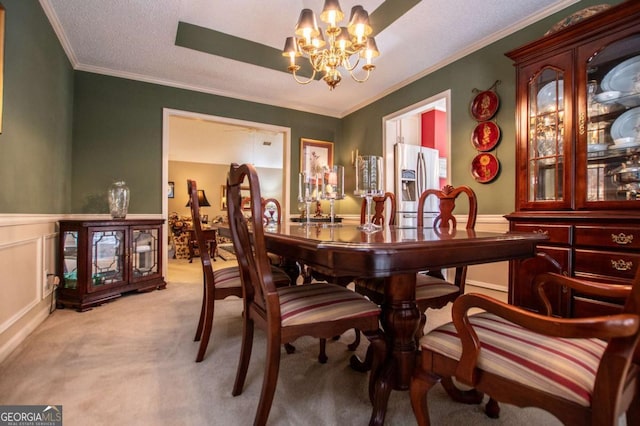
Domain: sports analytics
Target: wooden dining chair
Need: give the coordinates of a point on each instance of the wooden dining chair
(269, 205)
(320, 310)
(380, 205)
(218, 284)
(581, 370)
(432, 289)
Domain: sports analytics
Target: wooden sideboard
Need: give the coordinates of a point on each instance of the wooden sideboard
(99, 260)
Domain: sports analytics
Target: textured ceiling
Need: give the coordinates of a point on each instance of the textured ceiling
(137, 39)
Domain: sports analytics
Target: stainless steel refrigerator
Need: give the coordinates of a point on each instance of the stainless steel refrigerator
(416, 169)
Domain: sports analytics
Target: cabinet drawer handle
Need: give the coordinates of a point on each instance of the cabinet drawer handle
(581, 121)
(621, 265)
(622, 238)
(541, 231)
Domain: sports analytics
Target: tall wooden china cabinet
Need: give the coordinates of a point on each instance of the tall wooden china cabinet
(578, 155)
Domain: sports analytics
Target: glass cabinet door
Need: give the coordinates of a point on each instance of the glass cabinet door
(546, 131)
(612, 133)
(145, 252)
(70, 262)
(108, 248)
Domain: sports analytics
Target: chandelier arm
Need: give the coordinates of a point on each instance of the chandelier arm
(295, 77)
(360, 80)
(346, 64)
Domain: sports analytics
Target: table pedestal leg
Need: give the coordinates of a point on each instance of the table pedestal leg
(400, 320)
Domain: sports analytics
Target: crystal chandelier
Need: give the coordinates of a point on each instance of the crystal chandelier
(335, 50)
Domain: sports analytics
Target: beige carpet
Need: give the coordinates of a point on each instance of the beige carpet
(131, 362)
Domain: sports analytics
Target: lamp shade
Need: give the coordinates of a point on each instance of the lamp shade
(291, 48)
(331, 13)
(359, 22)
(371, 49)
(307, 26)
(202, 199)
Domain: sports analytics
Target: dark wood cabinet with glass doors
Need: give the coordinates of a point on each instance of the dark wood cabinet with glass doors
(578, 154)
(101, 259)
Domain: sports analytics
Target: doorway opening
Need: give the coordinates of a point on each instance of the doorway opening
(406, 126)
(207, 144)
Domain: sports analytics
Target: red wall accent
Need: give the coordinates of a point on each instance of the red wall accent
(434, 134)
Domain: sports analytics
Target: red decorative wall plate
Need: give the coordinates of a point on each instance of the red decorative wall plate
(485, 167)
(485, 105)
(485, 136)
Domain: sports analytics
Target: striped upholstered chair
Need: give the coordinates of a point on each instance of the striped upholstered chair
(321, 310)
(583, 370)
(218, 284)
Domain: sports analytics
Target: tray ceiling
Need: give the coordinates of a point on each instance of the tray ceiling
(232, 48)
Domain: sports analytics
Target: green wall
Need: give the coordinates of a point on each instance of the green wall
(117, 133)
(35, 144)
(66, 135)
(478, 70)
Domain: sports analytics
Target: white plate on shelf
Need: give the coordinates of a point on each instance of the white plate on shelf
(595, 147)
(627, 125)
(623, 141)
(547, 96)
(630, 101)
(630, 144)
(607, 97)
(622, 76)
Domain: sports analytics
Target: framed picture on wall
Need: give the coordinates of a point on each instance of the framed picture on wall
(170, 189)
(315, 155)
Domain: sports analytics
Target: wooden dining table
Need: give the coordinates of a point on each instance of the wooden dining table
(396, 255)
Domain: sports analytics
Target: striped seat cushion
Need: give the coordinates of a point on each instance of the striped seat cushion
(428, 287)
(560, 366)
(320, 302)
(227, 277)
(230, 277)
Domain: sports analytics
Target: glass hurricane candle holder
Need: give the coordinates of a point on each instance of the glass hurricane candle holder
(332, 188)
(369, 185)
(309, 187)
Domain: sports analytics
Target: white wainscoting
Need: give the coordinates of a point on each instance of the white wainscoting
(26, 245)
